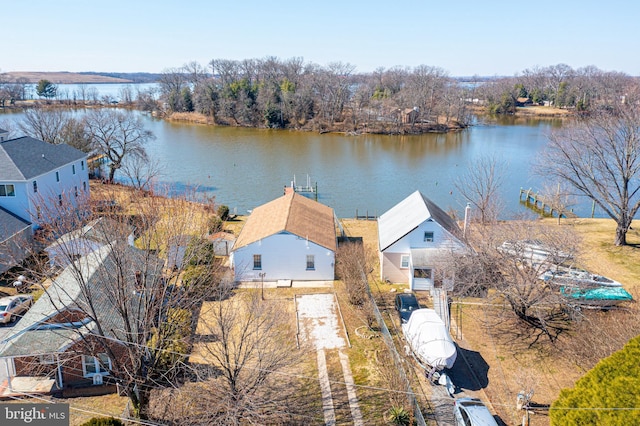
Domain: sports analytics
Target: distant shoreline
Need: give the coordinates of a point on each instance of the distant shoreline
(64, 77)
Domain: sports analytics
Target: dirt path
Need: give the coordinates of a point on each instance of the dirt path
(318, 322)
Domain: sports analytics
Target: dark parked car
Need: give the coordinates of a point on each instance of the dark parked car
(406, 303)
(472, 412)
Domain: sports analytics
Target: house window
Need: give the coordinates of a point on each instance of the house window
(92, 365)
(73, 169)
(257, 261)
(424, 273)
(428, 237)
(82, 164)
(60, 199)
(57, 177)
(75, 191)
(84, 186)
(311, 262)
(7, 191)
(35, 186)
(404, 261)
(47, 359)
(38, 212)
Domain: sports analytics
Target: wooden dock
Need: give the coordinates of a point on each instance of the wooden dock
(366, 216)
(540, 204)
(303, 189)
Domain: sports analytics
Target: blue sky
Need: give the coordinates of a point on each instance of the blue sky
(464, 37)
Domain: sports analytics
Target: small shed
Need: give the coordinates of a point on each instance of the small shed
(222, 243)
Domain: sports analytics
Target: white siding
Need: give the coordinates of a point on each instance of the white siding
(284, 257)
(25, 203)
(391, 269)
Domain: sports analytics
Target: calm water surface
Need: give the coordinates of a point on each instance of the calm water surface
(244, 168)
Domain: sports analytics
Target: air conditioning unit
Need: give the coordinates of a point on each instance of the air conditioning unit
(97, 379)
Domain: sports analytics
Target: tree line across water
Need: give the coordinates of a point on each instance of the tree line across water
(292, 93)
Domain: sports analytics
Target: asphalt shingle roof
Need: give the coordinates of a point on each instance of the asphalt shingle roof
(92, 290)
(10, 224)
(293, 213)
(25, 158)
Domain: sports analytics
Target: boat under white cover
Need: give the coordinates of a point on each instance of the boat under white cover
(429, 339)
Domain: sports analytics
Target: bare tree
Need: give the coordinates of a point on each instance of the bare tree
(599, 156)
(117, 135)
(505, 262)
(142, 172)
(248, 341)
(44, 124)
(56, 127)
(480, 185)
(122, 300)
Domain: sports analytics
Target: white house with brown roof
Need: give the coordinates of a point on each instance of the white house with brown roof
(413, 236)
(289, 238)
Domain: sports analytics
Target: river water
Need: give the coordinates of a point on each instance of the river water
(244, 168)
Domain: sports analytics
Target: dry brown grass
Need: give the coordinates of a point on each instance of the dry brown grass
(190, 117)
(543, 111)
(511, 367)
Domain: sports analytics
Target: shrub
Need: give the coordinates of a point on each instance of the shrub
(199, 252)
(613, 383)
(214, 224)
(223, 212)
(399, 416)
(171, 338)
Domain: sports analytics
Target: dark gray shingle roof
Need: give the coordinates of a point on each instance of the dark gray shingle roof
(10, 224)
(99, 270)
(25, 158)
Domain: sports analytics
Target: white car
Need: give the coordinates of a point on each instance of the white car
(472, 412)
(12, 307)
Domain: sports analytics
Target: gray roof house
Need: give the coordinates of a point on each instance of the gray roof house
(58, 332)
(83, 241)
(412, 236)
(15, 233)
(36, 178)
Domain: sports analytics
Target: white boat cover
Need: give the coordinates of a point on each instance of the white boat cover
(429, 339)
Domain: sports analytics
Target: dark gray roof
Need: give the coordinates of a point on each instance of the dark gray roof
(99, 270)
(25, 158)
(39, 342)
(10, 224)
(3, 130)
(442, 217)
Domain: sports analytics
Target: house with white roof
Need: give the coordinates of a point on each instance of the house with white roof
(413, 236)
(289, 238)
